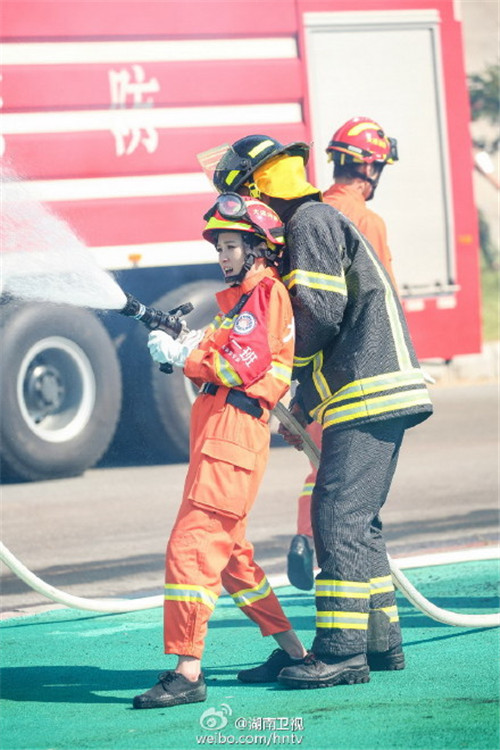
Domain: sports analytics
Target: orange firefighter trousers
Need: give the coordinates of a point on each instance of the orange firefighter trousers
(207, 548)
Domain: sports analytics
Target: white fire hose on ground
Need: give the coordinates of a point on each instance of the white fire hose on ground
(150, 602)
(400, 580)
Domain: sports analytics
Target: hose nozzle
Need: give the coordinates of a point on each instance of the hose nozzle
(170, 322)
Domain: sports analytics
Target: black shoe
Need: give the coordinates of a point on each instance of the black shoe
(269, 671)
(332, 670)
(394, 658)
(171, 690)
(300, 563)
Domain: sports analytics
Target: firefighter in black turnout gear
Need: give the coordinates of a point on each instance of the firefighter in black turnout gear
(359, 377)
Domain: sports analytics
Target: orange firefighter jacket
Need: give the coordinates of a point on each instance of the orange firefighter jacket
(208, 363)
(350, 202)
(228, 434)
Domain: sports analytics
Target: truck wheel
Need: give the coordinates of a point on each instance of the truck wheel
(157, 407)
(60, 391)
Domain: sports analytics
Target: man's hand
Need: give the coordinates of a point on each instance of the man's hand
(290, 437)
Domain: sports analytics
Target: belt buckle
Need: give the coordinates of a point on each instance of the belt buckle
(209, 388)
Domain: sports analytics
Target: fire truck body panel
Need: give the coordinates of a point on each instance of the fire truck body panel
(104, 112)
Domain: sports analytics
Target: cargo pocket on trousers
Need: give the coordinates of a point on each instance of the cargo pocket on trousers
(223, 481)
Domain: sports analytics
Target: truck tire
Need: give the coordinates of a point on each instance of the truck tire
(60, 391)
(157, 407)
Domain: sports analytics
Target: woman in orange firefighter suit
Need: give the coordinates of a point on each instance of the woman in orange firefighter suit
(242, 362)
(359, 150)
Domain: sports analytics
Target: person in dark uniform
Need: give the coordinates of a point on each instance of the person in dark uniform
(360, 150)
(359, 378)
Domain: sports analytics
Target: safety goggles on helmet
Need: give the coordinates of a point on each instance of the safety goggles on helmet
(393, 153)
(230, 206)
(235, 212)
(245, 155)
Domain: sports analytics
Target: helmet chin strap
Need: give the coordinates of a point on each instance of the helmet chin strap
(372, 181)
(253, 190)
(373, 184)
(251, 254)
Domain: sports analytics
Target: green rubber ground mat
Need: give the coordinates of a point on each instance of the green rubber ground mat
(69, 677)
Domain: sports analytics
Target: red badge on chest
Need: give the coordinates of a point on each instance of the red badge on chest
(247, 348)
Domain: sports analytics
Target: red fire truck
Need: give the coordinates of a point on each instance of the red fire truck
(105, 106)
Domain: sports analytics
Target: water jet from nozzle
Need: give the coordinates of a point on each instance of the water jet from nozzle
(42, 259)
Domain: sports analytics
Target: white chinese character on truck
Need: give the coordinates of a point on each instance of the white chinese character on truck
(130, 89)
(103, 115)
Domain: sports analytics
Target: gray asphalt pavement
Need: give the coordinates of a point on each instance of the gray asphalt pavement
(104, 534)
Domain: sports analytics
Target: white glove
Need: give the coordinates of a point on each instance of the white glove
(164, 349)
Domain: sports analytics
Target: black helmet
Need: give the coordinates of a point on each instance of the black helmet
(245, 155)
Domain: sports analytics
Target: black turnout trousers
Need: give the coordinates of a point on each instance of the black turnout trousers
(354, 477)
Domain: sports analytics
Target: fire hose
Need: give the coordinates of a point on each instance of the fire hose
(131, 605)
(400, 580)
(171, 323)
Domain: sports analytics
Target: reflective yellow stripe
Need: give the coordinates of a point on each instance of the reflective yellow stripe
(227, 224)
(342, 620)
(381, 585)
(374, 406)
(360, 127)
(316, 281)
(344, 589)
(391, 306)
(215, 324)
(387, 381)
(225, 372)
(318, 378)
(231, 176)
(391, 612)
(307, 489)
(281, 372)
(303, 361)
(246, 597)
(256, 150)
(182, 592)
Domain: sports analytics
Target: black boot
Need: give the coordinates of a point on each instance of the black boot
(172, 689)
(269, 671)
(386, 661)
(315, 672)
(300, 563)
(380, 656)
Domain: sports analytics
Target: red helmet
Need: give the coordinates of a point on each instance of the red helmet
(362, 140)
(240, 213)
